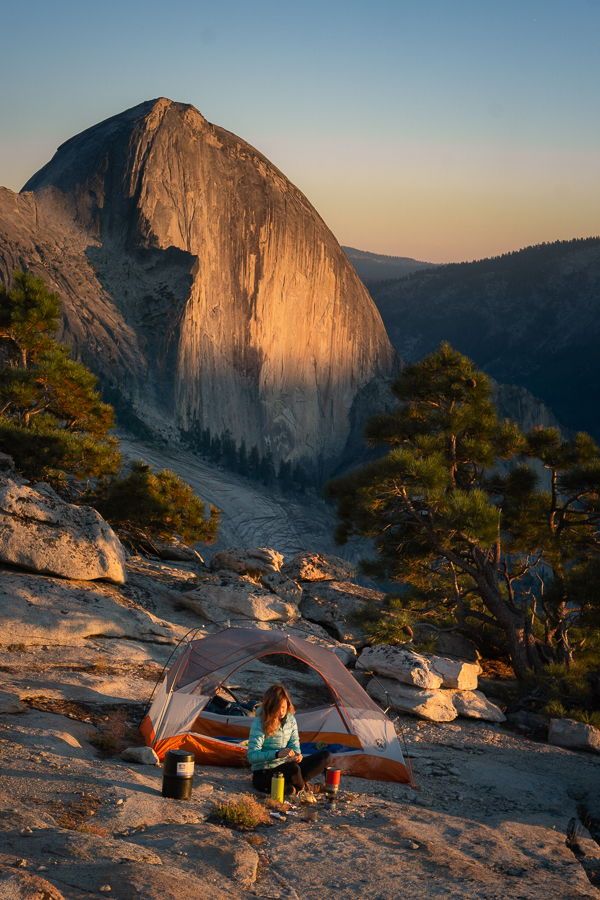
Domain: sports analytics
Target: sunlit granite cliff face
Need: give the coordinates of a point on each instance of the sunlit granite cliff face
(201, 285)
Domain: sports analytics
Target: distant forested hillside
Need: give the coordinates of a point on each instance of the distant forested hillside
(372, 267)
(530, 318)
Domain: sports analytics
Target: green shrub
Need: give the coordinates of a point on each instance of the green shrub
(243, 812)
(156, 504)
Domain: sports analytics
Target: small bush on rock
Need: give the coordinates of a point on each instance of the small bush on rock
(243, 812)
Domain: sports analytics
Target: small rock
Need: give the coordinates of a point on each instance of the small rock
(254, 561)
(412, 845)
(21, 864)
(316, 567)
(105, 889)
(144, 756)
(120, 801)
(475, 705)
(26, 830)
(574, 735)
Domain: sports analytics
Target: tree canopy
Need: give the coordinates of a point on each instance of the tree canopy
(157, 504)
(53, 421)
(482, 524)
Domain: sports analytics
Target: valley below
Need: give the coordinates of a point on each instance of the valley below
(251, 514)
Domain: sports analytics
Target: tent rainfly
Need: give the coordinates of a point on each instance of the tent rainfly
(357, 732)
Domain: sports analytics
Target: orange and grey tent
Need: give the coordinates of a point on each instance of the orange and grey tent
(358, 733)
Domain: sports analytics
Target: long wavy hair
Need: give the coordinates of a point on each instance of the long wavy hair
(271, 704)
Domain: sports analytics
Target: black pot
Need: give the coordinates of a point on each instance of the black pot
(178, 774)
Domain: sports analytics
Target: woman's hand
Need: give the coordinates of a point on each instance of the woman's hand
(287, 751)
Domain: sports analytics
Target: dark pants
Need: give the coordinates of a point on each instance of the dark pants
(296, 774)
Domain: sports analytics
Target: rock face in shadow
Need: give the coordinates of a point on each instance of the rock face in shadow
(200, 284)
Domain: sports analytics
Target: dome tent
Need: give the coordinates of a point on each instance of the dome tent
(360, 736)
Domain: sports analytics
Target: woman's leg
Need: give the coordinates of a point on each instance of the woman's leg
(261, 779)
(291, 772)
(313, 765)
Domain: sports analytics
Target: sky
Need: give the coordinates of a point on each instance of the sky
(443, 130)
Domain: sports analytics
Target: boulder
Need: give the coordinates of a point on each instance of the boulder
(42, 533)
(574, 735)
(255, 561)
(144, 756)
(52, 611)
(455, 673)
(475, 705)
(437, 706)
(10, 704)
(284, 587)
(400, 664)
(218, 604)
(316, 567)
(528, 722)
(17, 884)
(337, 605)
(176, 551)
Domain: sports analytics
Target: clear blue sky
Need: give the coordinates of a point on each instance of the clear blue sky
(440, 129)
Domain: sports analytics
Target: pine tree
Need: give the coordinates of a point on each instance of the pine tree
(465, 541)
(52, 419)
(157, 504)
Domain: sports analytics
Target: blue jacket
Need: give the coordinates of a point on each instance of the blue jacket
(263, 748)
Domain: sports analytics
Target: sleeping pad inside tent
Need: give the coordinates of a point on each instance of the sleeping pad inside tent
(352, 727)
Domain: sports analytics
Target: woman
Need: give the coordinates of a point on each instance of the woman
(274, 745)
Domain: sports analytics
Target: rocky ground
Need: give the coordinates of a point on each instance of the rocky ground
(494, 814)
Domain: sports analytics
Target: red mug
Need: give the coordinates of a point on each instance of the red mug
(332, 779)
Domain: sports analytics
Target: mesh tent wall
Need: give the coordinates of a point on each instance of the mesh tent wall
(177, 720)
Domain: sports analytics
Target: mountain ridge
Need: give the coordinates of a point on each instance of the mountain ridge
(201, 284)
(528, 317)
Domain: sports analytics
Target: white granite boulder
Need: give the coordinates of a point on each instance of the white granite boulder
(455, 673)
(401, 664)
(574, 735)
(282, 586)
(218, 603)
(254, 561)
(144, 756)
(437, 706)
(475, 705)
(42, 533)
(317, 567)
(337, 605)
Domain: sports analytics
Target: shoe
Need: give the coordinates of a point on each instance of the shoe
(316, 788)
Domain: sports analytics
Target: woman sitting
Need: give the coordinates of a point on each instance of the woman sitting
(274, 745)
